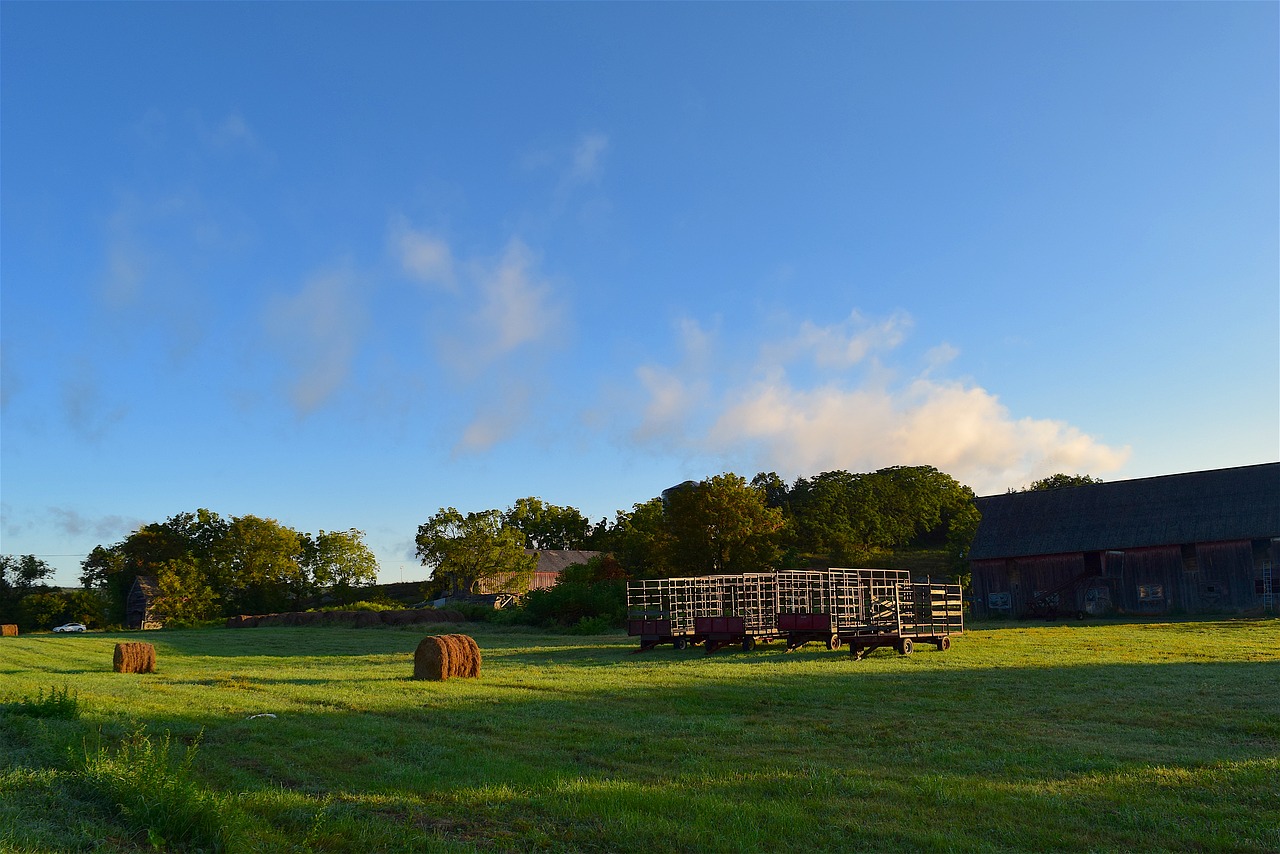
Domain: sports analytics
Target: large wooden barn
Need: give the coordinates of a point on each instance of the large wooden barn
(1203, 542)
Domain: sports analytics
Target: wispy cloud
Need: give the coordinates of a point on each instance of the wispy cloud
(844, 344)
(516, 306)
(425, 257)
(496, 306)
(88, 411)
(74, 523)
(673, 394)
(588, 159)
(498, 419)
(775, 421)
(319, 330)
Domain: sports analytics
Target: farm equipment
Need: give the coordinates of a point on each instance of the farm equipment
(1049, 605)
(735, 609)
(807, 610)
(660, 610)
(863, 608)
(888, 609)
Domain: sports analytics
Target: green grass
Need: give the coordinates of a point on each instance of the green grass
(1023, 737)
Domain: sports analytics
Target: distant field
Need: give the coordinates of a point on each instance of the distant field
(1024, 737)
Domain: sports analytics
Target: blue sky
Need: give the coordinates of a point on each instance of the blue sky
(344, 264)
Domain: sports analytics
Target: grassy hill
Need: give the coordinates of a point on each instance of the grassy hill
(1088, 736)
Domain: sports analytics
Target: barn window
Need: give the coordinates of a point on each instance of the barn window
(1150, 592)
(999, 601)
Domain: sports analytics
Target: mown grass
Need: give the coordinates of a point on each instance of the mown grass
(1066, 737)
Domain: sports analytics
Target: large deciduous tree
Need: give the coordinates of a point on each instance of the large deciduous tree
(546, 526)
(340, 563)
(1060, 480)
(721, 525)
(183, 594)
(21, 577)
(639, 539)
(475, 550)
(261, 561)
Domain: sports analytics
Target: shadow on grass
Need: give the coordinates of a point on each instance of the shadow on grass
(761, 757)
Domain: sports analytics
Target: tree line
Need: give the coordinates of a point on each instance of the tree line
(206, 566)
(722, 524)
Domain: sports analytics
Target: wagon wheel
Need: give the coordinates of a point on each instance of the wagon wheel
(906, 647)
(833, 642)
(680, 643)
(748, 644)
(944, 643)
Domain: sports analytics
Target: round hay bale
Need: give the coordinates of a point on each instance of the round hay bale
(135, 657)
(458, 653)
(251, 621)
(464, 656)
(474, 671)
(397, 618)
(431, 660)
(8, 630)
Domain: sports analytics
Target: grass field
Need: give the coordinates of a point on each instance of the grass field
(1023, 737)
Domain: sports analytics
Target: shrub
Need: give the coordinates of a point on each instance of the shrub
(366, 605)
(62, 704)
(155, 796)
(570, 602)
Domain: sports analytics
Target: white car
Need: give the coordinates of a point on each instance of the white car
(72, 627)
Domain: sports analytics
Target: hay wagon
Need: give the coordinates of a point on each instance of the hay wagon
(660, 610)
(828, 606)
(899, 613)
(735, 609)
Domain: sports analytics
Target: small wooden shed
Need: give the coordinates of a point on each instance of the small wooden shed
(1202, 542)
(139, 610)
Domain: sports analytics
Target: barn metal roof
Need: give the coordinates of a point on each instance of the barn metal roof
(1199, 507)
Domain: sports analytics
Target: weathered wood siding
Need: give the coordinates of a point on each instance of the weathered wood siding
(1204, 578)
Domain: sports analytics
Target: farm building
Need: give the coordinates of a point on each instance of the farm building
(138, 613)
(1203, 542)
(550, 563)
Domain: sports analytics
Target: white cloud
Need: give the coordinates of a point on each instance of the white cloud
(516, 306)
(499, 419)
(842, 345)
(424, 256)
(587, 158)
(672, 394)
(319, 328)
(775, 422)
(231, 131)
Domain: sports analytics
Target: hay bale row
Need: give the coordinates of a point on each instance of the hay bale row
(135, 657)
(358, 619)
(445, 656)
(8, 630)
